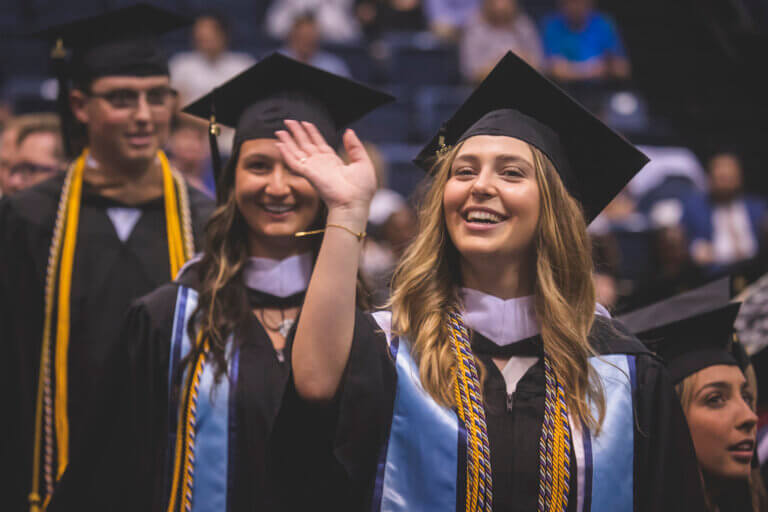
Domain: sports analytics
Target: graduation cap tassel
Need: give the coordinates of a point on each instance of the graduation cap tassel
(213, 132)
(442, 148)
(59, 63)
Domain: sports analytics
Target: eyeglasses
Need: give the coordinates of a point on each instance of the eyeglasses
(129, 98)
(28, 169)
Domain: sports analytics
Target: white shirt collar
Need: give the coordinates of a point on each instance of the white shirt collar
(281, 278)
(504, 321)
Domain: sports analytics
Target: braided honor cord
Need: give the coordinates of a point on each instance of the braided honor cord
(185, 439)
(52, 414)
(471, 411)
(554, 447)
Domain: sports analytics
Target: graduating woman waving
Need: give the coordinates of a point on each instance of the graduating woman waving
(204, 360)
(495, 382)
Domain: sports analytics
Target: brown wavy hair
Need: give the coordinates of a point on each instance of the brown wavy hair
(426, 286)
(755, 487)
(222, 297)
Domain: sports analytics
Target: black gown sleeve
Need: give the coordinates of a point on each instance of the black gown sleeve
(128, 472)
(334, 448)
(8, 480)
(21, 321)
(666, 469)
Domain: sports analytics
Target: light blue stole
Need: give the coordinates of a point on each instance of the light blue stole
(423, 465)
(214, 431)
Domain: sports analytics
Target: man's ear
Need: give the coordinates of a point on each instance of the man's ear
(77, 102)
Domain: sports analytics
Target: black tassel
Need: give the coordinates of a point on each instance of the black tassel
(213, 132)
(59, 63)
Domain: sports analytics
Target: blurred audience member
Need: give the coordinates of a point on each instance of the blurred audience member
(583, 44)
(446, 18)
(39, 153)
(727, 226)
(671, 269)
(9, 141)
(497, 27)
(752, 322)
(7, 151)
(189, 151)
(606, 289)
(392, 226)
(211, 63)
(335, 19)
(304, 45)
(621, 213)
(378, 17)
(675, 272)
(606, 258)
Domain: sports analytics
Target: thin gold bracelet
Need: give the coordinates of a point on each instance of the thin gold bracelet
(360, 236)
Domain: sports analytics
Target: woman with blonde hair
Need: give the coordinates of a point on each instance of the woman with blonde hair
(694, 334)
(495, 382)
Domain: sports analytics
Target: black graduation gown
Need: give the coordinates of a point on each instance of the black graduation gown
(108, 275)
(135, 465)
(666, 472)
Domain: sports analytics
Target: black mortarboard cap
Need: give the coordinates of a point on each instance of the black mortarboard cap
(258, 100)
(690, 331)
(517, 101)
(118, 42)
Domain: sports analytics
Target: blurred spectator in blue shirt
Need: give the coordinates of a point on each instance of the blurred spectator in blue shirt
(583, 44)
(304, 45)
(379, 17)
(728, 226)
(497, 27)
(335, 19)
(211, 63)
(446, 18)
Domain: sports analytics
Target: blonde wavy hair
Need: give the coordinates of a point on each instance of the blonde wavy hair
(426, 286)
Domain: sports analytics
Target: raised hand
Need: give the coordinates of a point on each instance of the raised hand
(341, 186)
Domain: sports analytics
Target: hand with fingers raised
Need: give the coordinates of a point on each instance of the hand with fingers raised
(344, 187)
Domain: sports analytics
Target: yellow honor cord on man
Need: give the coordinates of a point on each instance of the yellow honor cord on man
(51, 417)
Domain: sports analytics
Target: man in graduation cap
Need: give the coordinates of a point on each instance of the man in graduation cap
(77, 249)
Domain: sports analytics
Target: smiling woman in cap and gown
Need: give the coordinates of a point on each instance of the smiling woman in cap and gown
(694, 334)
(206, 358)
(77, 249)
(495, 382)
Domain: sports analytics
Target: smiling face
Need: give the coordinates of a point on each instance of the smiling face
(491, 199)
(722, 422)
(275, 202)
(125, 134)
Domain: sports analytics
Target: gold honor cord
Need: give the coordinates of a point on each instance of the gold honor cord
(185, 426)
(61, 264)
(43, 385)
(178, 251)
